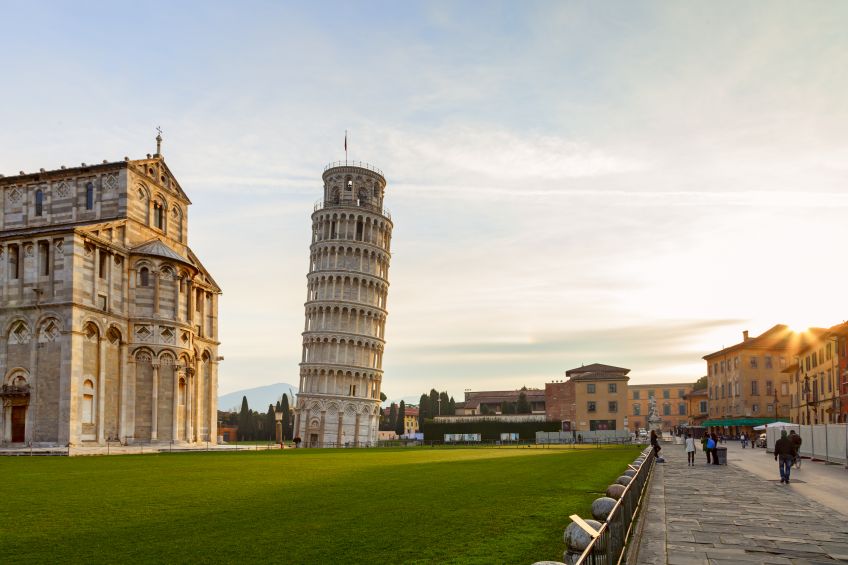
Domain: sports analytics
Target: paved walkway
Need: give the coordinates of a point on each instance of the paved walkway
(728, 515)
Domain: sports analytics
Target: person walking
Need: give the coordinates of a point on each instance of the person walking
(744, 440)
(690, 449)
(715, 437)
(705, 439)
(783, 451)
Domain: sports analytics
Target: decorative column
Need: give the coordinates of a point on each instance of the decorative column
(122, 402)
(154, 416)
(323, 424)
(101, 390)
(189, 430)
(175, 413)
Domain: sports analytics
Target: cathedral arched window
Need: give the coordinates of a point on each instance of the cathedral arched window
(89, 196)
(39, 202)
(144, 277)
(159, 216)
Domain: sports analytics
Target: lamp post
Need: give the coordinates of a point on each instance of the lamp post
(278, 417)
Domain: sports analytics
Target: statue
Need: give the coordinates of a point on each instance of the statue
(654, 420)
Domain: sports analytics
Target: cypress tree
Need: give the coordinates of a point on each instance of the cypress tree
(434, 402)
(244, 419)
(270, 424)
(393, 417)
(452, 407)
(287, 423)
(400, 428)
(423, 410)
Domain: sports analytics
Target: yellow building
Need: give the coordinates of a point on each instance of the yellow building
(815, 380)
(747, 384)
(697, 407)
(410, 420)
(600, 393)
(670, 401)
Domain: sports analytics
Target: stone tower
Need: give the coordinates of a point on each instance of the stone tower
(344, 335)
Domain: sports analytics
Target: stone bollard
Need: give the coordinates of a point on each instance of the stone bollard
(623, 480)
(577, 540)
(629, 473)
(615, 491)
(602, 507)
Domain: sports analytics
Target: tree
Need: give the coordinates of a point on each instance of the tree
(244, 421)
(383, 397)
(522, 406)
(434, 402)
(400, 427)
(393, 417)
(484, 409)
(287, 423)
(451, 407)
(700, 384)
(423, 410)
(270, 424)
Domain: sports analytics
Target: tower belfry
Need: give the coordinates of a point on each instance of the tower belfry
(344, 335)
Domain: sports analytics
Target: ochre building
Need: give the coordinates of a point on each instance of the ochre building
(670, 400)
(109, 321)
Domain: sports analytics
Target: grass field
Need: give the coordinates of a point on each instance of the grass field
(301, 506)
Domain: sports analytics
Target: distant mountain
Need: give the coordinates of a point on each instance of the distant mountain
(257, 398)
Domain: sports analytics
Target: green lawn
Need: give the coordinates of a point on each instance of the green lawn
(413, 505)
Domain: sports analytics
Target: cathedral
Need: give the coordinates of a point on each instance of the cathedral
(108, 320)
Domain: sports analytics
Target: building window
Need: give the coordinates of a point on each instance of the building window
(39, 202)
(43, 258)
(784, 389)
(590, 406)
(681, 392)
(781, 362)
(637, 409)
(755, 388)
(767, 360)
(769, 408)
(807, 362)
(613, 387)
(703, 406)
(88, 402)
(736, 362)
(14, 262)
(635, 395)
(144, 277)
(666, 409)
(89, 196)
(753, 361)
(612, 406)
(681, 409)
(158, 216)
(722, 390)
(755, 408)
(666, 393)
(652, 394)
(722, 366)
(590, 388)
(769, 388)
(827, 352)
(814, 357)
(104, 263)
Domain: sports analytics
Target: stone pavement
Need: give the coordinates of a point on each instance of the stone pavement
(727, 515)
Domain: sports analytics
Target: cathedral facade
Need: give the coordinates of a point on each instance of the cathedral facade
(108, 320)
(341, 370)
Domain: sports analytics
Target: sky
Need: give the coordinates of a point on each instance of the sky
(571, 182)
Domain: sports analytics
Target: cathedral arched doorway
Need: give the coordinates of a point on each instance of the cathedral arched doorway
(15, 397)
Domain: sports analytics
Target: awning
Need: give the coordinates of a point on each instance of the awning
(739, 422)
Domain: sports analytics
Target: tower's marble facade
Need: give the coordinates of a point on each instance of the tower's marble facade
(108, 321)
(344, 335)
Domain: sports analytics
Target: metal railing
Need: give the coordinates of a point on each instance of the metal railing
(360, 164)
(608, 545)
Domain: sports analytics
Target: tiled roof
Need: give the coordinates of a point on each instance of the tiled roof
(596, 368)
(156, 247)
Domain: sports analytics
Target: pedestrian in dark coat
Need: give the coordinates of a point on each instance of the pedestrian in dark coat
(783, 452)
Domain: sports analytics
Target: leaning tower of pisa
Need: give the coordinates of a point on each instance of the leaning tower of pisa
(341, 369)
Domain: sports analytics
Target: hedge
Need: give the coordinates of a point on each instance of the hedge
(487, 430)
